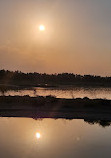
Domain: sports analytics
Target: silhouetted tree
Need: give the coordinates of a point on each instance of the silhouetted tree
(20, 78)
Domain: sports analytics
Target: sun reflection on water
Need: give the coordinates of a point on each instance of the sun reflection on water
(38, 135)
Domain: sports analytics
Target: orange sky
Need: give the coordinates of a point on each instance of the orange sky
(77, 36)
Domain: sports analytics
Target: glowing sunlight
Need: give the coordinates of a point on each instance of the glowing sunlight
(42, 28)
(38, 135)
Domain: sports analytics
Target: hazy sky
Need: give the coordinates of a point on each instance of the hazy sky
(77, 37)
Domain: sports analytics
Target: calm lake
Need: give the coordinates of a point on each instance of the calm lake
(68, 92)
(49, 138)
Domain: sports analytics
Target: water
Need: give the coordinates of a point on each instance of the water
(57, 139)
(77, 92)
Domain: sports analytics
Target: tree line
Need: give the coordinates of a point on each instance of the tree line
(20, 78)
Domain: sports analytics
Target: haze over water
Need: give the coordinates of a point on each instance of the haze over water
(52, 37)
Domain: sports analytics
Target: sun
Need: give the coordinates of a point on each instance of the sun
(42, 28)
(38, 135)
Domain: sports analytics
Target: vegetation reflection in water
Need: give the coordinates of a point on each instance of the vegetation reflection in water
(102, 123)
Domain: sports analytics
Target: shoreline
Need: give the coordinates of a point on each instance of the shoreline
(51, 107)
(5, 87)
